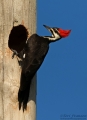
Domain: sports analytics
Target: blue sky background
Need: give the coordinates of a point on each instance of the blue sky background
(62, 78)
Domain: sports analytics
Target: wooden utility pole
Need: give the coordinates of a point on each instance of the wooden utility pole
(11, 10)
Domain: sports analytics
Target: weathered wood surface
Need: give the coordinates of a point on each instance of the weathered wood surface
(11, 10)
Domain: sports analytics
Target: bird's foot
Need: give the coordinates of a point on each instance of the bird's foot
(14, 53)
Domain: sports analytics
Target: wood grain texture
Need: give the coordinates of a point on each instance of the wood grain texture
(11, 10)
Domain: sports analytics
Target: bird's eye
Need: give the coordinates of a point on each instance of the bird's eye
(55, 30)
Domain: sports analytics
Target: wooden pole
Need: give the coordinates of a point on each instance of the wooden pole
(11, 10)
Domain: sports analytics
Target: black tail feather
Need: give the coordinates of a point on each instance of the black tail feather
(24, 90)
(23, 97)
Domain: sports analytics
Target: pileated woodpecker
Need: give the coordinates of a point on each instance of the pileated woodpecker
(32, 52)
(35, 52)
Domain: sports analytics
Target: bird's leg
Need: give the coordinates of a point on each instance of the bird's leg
(18, 57)
(14, 53)
(19, 61)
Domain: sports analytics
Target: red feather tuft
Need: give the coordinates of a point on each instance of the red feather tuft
(64, 33)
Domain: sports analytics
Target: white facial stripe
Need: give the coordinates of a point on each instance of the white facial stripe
(55, 36)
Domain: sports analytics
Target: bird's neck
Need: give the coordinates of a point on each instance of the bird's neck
(51, 38)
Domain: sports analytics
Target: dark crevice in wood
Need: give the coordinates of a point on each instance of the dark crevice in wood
(17, 38)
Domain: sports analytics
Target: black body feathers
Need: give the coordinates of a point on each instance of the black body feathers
(35, 52)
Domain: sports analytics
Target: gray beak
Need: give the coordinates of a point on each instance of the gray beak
(47, 27)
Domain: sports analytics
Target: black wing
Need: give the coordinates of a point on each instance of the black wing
(35, 53)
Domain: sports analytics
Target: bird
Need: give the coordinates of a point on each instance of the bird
(34, 54)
